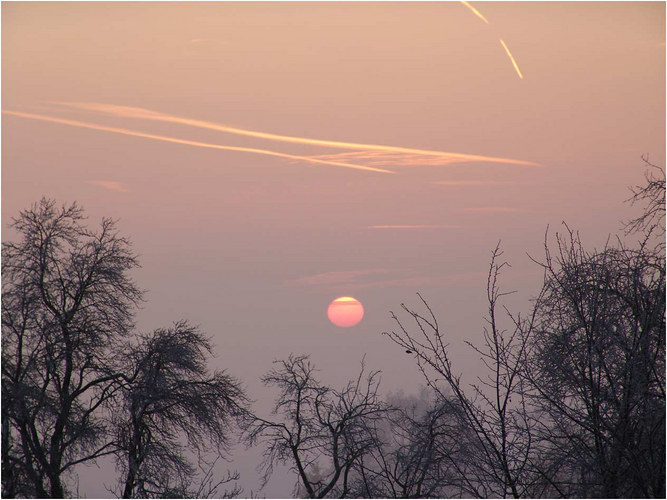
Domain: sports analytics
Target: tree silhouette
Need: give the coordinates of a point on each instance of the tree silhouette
(78, 384)
(652, 193)
(322, 433)
(596, 367)
(67, 304)
(420, 454)
(494, 416)
(168, 393)
(574, 404)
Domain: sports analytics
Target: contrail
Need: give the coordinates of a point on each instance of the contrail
(507, 50)
(509, 54)
(175, 140)
(476, 12)
(146, 114)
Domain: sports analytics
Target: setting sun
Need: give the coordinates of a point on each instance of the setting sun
(345, 311)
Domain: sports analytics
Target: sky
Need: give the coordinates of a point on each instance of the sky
(267, 157)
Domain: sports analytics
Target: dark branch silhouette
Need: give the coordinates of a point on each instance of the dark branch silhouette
(168, 394)
(320, 432)
(78, 384)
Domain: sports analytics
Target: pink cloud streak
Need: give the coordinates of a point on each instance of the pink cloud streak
(110, 185)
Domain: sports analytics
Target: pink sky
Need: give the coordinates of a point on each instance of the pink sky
(254, 245)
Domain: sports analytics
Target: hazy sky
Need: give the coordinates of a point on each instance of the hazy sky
(431, 146)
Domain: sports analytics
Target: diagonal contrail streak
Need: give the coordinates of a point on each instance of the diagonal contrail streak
(509, 54)
(476, 12)
(507, 50)
(175, 140)
(146, 114)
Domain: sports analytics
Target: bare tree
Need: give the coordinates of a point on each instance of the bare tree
(652, 193)
(419, 455)
(575, 401)
(67, 302)
(321, 432)
(494, 411)
(168, 394)
(211, 485)
(78, 384)
(596, 366)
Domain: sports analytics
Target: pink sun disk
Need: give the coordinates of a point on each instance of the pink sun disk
(345, 312)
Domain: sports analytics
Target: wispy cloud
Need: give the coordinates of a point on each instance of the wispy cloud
(466, 183)
(415, 226)
(202, 41)
(391, 158)
(110, 185)
(490, 209)
(350, 281)
(368, 151)
(134, 133)
(423, 280)
(337, 277)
